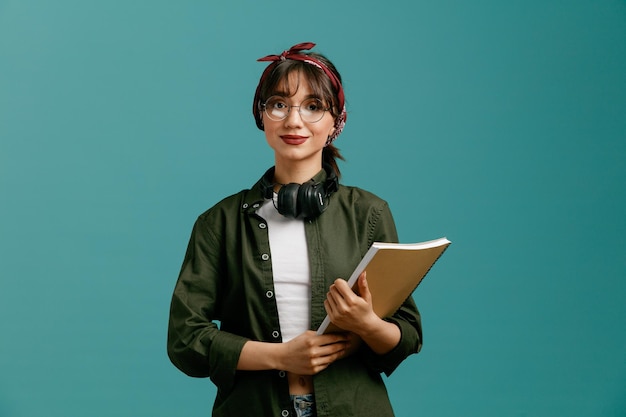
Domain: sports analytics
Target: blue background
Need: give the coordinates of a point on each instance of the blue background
(500, 125)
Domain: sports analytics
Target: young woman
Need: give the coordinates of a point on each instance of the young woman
(264, 267)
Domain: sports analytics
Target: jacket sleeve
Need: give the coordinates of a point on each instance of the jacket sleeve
(195, 345)
(407, 318)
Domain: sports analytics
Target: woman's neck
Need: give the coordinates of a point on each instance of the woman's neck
(296, 173)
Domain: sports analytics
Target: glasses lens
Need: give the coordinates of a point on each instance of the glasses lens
(276, 108)
(312, 110)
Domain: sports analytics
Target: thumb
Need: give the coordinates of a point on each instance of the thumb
(364, 290)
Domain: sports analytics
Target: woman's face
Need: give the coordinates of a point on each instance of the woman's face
(292, 139)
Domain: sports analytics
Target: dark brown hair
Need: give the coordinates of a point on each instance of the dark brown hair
(278, 82)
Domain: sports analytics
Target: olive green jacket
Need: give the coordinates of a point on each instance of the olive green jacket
(224, 297)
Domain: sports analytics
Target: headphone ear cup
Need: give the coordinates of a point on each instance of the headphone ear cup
(311, 199)
(287, 201)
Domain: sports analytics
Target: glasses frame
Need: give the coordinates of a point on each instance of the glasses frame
(289, 107)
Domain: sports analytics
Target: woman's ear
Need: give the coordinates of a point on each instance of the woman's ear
(330, 135)
(332, 131)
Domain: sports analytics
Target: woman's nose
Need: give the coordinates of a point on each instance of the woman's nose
(293, 118)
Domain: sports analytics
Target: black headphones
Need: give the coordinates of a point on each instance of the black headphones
(301, 201)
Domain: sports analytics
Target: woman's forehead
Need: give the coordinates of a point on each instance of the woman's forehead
(293, 83)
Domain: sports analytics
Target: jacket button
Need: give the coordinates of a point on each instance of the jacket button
(265, 256)
(245, 205)
(269, 294)
(284, 413)
(282, 374)
(262, 225)
(275, 334)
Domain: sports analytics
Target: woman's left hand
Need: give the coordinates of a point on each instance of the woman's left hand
(348, 310)
(354, 313)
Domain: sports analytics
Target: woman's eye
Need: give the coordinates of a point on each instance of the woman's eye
(276, 103)
(313, 106)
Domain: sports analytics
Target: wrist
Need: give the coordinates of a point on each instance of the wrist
(257, 356)
(370, 325)
(277, 356)
(381, 336)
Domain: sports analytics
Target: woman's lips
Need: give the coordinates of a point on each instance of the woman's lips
(293, 139)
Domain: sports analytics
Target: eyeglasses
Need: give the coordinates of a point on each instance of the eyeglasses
(311, 110)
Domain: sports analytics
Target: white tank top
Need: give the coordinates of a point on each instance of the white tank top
(291, 271)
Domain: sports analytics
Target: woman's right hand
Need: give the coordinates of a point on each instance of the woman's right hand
(310, 353)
